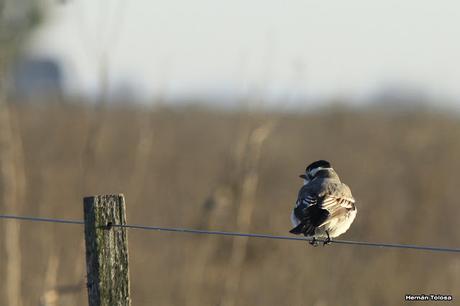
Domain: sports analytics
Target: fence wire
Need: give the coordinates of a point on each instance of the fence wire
(236, 234)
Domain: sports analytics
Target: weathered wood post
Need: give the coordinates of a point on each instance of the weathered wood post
(106, 251)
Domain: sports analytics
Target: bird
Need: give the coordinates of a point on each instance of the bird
(325, 207)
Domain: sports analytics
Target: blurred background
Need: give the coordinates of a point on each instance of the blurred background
(203, 114)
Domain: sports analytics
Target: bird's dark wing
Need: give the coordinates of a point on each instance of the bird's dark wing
(310, 214)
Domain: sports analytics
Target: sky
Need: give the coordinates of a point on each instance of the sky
(276, 49)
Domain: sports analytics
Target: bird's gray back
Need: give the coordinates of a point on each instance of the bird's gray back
(323, 187)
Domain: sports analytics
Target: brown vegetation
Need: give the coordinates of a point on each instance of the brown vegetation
(178, 168)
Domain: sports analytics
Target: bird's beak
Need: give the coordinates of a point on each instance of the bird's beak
(303, 176)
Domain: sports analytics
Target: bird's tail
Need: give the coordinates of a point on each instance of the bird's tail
(312, 218)
(303, 228)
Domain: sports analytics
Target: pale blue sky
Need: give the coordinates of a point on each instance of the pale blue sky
(288, 48)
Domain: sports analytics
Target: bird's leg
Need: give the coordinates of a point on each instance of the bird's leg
(313, 242)
(328, 240)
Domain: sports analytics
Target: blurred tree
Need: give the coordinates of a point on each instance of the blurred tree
(17, 19)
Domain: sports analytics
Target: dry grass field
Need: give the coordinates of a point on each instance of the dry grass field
(209, 169)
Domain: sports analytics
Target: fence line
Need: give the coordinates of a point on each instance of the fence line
(236, 234)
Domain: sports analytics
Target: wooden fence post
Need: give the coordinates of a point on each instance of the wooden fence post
(106, 251)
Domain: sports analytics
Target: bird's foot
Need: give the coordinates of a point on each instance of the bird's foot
(327, 240)
(314, 242)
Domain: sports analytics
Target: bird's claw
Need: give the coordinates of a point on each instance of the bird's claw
(327, 240)
(314, 242)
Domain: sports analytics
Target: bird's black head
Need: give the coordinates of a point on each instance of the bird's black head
(318, 164)
(310, 170)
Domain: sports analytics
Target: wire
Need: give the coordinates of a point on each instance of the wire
(38, 219)
(236, 234)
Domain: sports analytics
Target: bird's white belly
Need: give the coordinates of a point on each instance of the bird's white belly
(336, 227)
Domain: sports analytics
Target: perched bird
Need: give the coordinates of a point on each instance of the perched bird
(325, 207)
